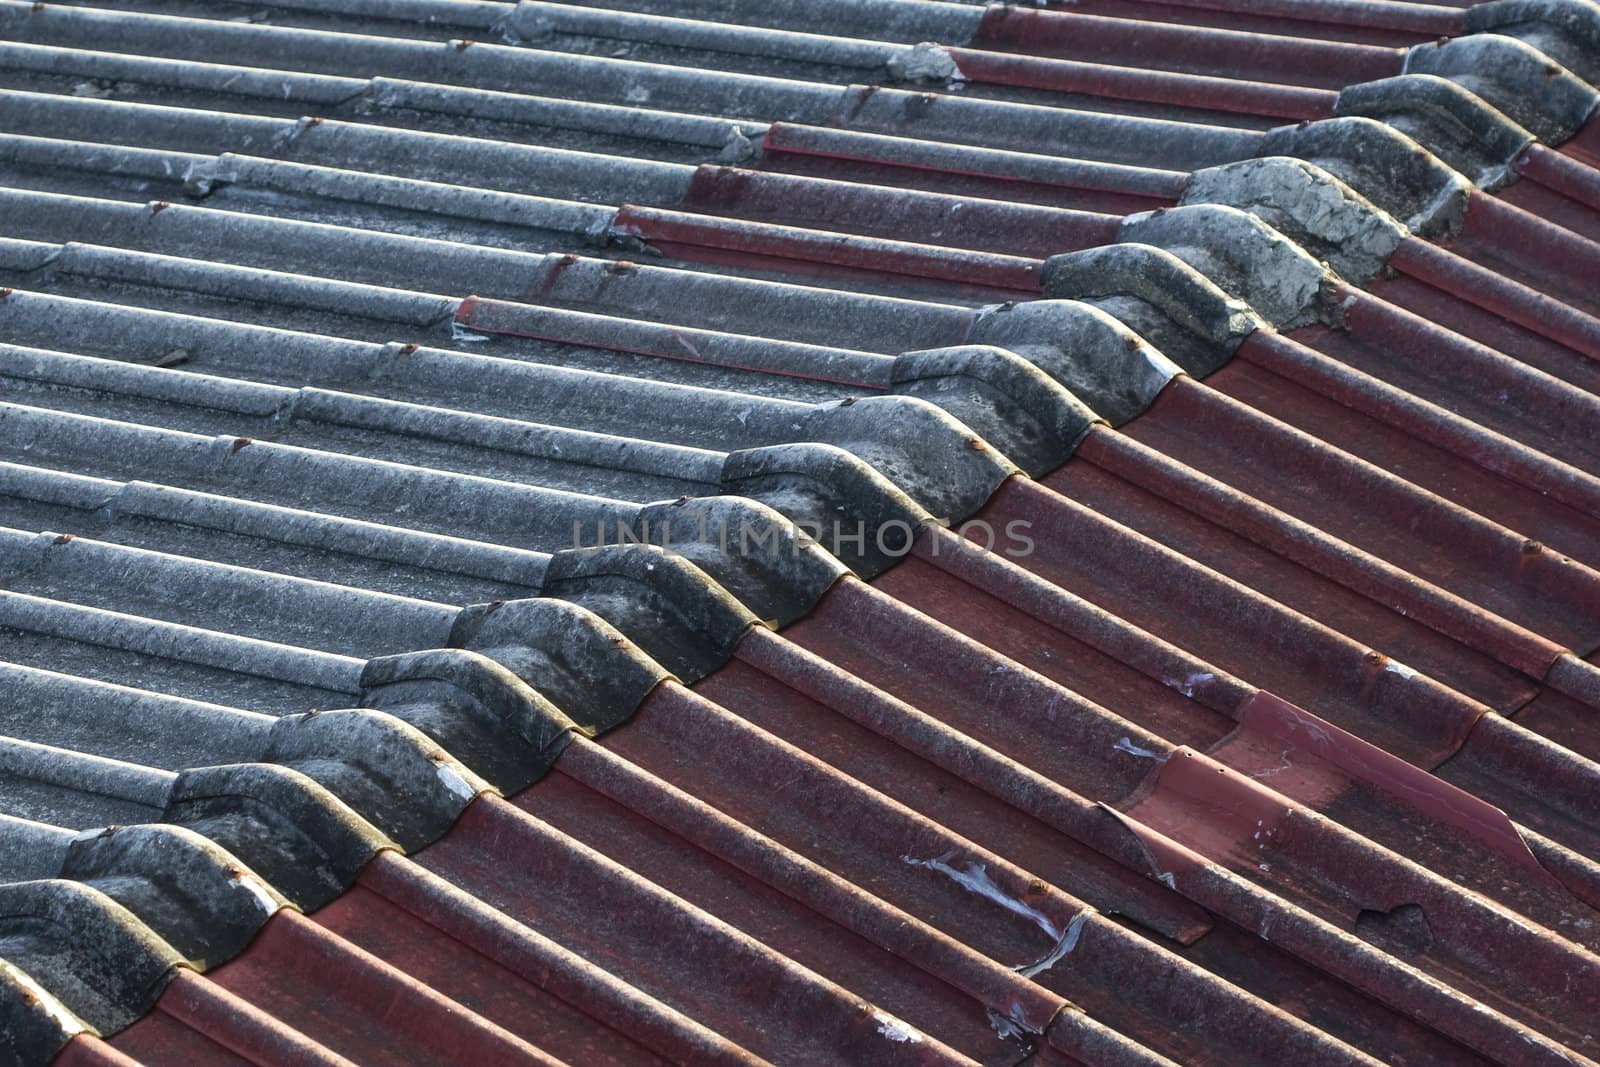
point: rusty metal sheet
(1337, 20)
(1434, 449)
(299, 976)
(1287, 102)
(1509, 588)
(682, 956)
(1073, 34)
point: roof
(870, 532)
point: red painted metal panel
(1348, 683)
(1483, 384)
(1274, 720)
(1241, 631)
(1097, 951)
(918, 661)
(1138, 43)
(494, 968)
(1340, 20)
(356, 1005)
(1494, 568)
(1432, 448)
(1542, 200)
(677, 953)
(1368, 788)
(1293, 103)
(214, 1016)
(1585, 144)
(1469, 320)
(1302, 543)
(1472, 283)
(1531, 250)
(1233, 819)
(995, 601)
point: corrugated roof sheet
(890, 531)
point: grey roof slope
(323, 437)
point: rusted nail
(1532, 548)
(63, 539)
(238, 443)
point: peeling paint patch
(975, 879)
(1008, 1029)
(1125, 744)
(257, 889)
(1068, 942)
(896, 1030)
(59, 1014)
(454, 782)
(457, 333)
(1191, 682)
